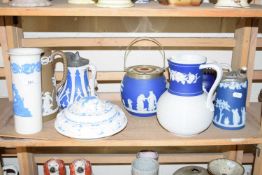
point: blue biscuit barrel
(141, 88)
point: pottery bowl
(225, 167)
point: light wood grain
(2, 72)
(241, 50)
(5, 47)
(62, 8)
(139, 132)
(257, 75)
(123, 42)
(128, 158)
(26, 163)
(251, 57)
(259, 42)
(258, 161)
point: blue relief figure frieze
(18, 104)
(26, 68)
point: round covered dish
(90, 118)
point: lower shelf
(139, 132)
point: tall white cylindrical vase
(26, 88)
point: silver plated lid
(144, 71)
(239, 75)
(74, 60)
(191, 170)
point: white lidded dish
(90, 118)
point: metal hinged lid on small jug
(74, 60)
(149, 80)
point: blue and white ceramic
(90, 118)
(185, 108)
(230, 103)
(26, 88)
(142, 85)
(140, 95)
(209, 77)
(77, 84)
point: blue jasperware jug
(77, 84)
(230, 103)
(142, 85)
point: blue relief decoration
(230, 109)
(18, 104)
(75, 87)
(185, 79)
(26, 68)
(142, 101)
(78, 91)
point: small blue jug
(230, 103)
(77, 84)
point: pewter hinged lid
(191, 170)
(74, 60)
(239, 75)
(144, 71)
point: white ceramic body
(145, 166)
(184, 116)
(26, 85)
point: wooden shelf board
(139, 132)
(123, 42)
(153, 9)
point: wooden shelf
(139, 132)
(153, 9)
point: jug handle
(219, 71)
(93, 76)
(62, 55)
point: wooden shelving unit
(140, 133)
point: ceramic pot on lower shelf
(225, 167)
(191, 170)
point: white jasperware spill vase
(26, 88)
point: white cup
(145, 166)
(26, 87)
